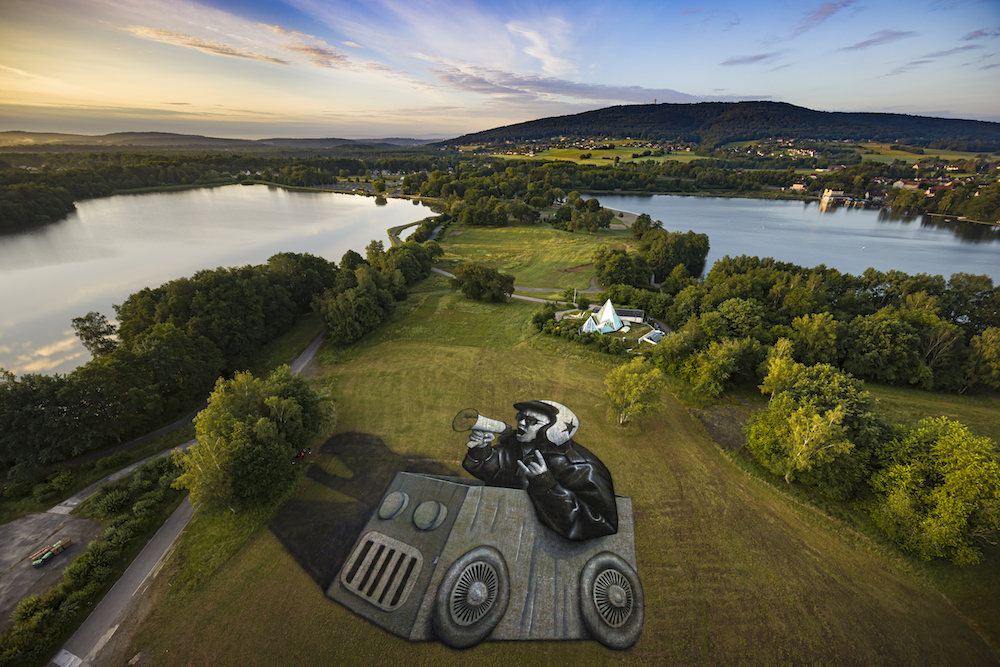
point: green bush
(17, 490)
(111, 503)
(84, 594)
(43, 492)
(26, 609)
(61, 479)
(113, 462)
(145, 506)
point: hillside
(715, 123)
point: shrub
(111, 503)
(114, 462)
(61, 479)
(17, 490)
(26, 609)
(43, 492)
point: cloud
(880, 37)
(49, 356)
(981, 34)
(814, 17)
(19, 72)
(929, 58)
(541, 44)
(990, 66)
(490, 81)
(908, 66)
(321, 55)
(749, 60)
(958, 49)
(203, 45)
(354, 44)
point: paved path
(103, 622)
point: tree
(481, 283)
(882, 347)
(983, 366)
(96, 333)
(815, 338)
(941, 493)
(632, 388)
(246, 438)
(820, 427)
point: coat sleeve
(494, 465)
(580, 504)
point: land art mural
(537, 547)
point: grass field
(887, 154)
(603, 157)
(733, 570)
(537, 255)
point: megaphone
(469, 419)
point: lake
(111, 247)
(849, 239)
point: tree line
(170, 345)
(46, 191)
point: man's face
(529, 423)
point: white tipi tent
(605, 321)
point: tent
(604, 321)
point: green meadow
(537, 255)
(605, 157)
(884, 153)
(733, 570)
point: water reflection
(968, 232)
(111, 247)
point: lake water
(849, 239)
(112, 247)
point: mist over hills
(715, 123)
(51, 141)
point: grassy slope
(537, 255)
(597, 157)
(732, 571)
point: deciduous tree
(632, 388)
(246, 439)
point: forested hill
(714, 123)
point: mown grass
(537, 255)
(903, 405)
(886, 154)
(733, 570)
(603, 157)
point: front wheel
(472, 598)
(611, 600)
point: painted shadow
(319, 535)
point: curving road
(103, 622)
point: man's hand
(479, 439)
(536, 467)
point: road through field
(103, 622)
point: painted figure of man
(570, 488)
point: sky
(437, 69)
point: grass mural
(734, 570)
